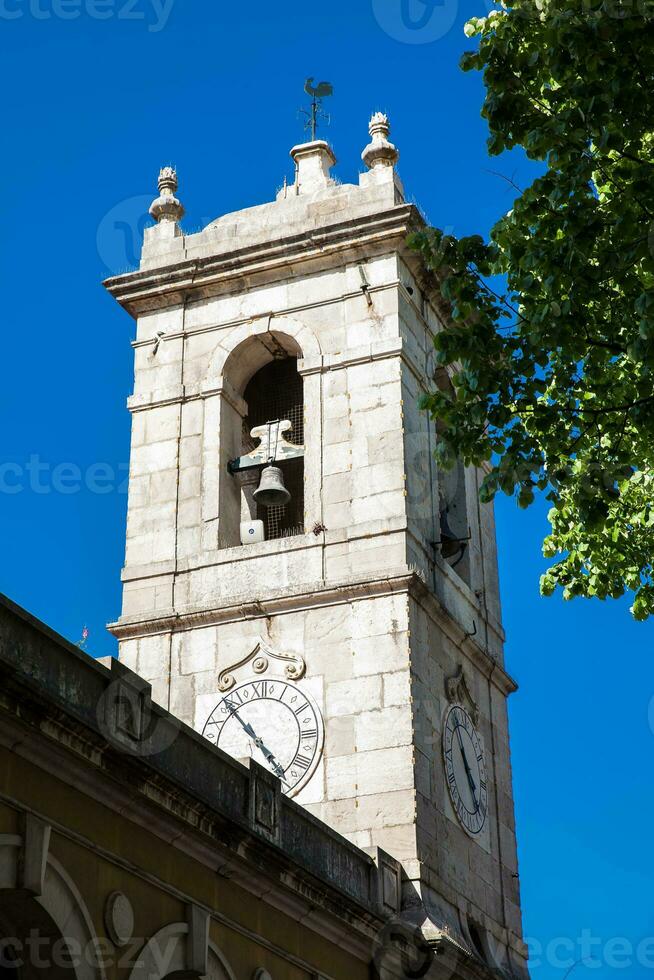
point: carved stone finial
(380, 152)
(458, 692)
(166, 207)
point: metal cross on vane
(318, 93)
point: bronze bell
(450, 544)
(271, 491)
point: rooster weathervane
(318, 93)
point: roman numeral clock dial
(275, 723)
(465, 769)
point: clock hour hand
(471, 782)
(259, 743)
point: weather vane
(318, 93)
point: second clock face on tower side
(465, 769)
(277, 724)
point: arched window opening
(453, 519)
(274, 393)
(479, 944)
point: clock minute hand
(471, 782)
(247, 728)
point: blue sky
(98, 94)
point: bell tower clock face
(277, 724)
(465, 769)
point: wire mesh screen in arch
(273, 393)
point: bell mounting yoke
(273, 447)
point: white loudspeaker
(252, 531)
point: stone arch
(164, 956)
(247, 348)
(58, 914)
(241, 352)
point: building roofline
(175, 775)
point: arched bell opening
(453, 521)
(262, 392)
(273, 394)
(454, 525)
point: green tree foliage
(554, 378)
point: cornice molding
(171, 285)
(316, 594)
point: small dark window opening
(477, 941)
(275, 393)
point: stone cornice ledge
(294, 599)
(162, 287)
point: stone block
(337, 488)
(194, 650)
(396, 688)
(400, 841)
(335, 383)
(163, 486)
(386, 728)
(366, 399)
(153, 656)
(380, 654)
(128, 653)
(340, 736)
(337, 515)
(337, 407)
(162, 423)
(139, 437)
(154, 458)
(190, 482)
(380, 505)
(377, 420)
(334, 660)
(188, 542)
(188, 512)
(361, 838)
(382, 444)
(336, 431)
(192, 418)
(423, 770)
(353, 696)
(508, 848)
(374, 558)
(328, 623)
(369, 772)
(182, 697)
(380, 616)
(336, 459)
(378, 478)
(161, 690)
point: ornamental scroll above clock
(267, 716)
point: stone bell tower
(346, 630)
